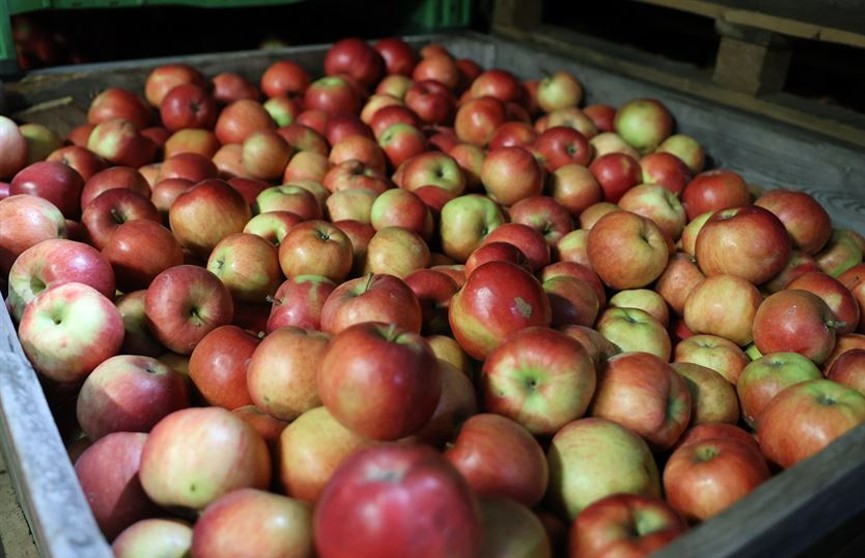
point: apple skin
(591, 458)
(749, 241)
(188, 106)
(807, 222)
(723, 305)
(205, 214)
(129, 393)
(310, 450)
(24, 221)
(284, 77)
(281, 371)
(116, 102)
(628, 251)
(379, 380)
(171, 538)
(659, 204)
(644, 393)
(806, 417)
(465, 221)
(499, 458)
(841, 253)
(68, 330)
(110, 209)
(714, 190)
(477, 120)
(713, 398)
(644, 123)
(108, 473)
(794, 320)
(687, 149)
(712, 351)
(624, 525)
(298, 302)
(184, 303)
(259, 522)
(703, 478)
(377, 297)
(354, 57)
(848, 370)
(248, 265)
(54, 181)
(239, 119)
(218, 366)
(161, 79)
(836, 294)
(496, 300)
(633, 329)
(14, 148)
(763, 378)
(137, 339)
(573, 301)
(616, 173)
(121, 142)
(138, 251)
(667, 170)
(84, 161)
(195, 455)
(366, 510)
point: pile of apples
(417, 308)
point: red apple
(117, 102)
(714, 190)
(284, 78)
(372, 298)
(218, 366)
(616, 173)
(723, 305)
(24, 221)
(627, 250)
(53, 181)
(794, 320)
(206, 213)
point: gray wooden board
(781, 518)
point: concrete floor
(15, 538)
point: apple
(396, 251)
(712, 351)
(835, 294)
(184, 303)
(465, 221)
(806, 417)
(265, 154)
(310, 449)
(634, 329)
(441, 67)
(433, 169)
(703, 478)
(354, 57)
(644, 123)
(840, 253)
(571, 117)
(848, 370)
(659, 204)
(561, 89)
(121, 143)
(283, 110)
(108, 474)
(529, 241)
(383, 486)
(714, 190)
(392, 114)
(723, 305)
(665, 169)
(206, 213)
(137, 339)
(432, 102)
(103, 216)
(165, 77)
(218, 366)
(260, 522)
(379, 380)
(687, 149)
(284, 78)
(538, 377)
(229, 87)
(844, 342)
(117, 102)
(573, 301)
(298, 302)
(248, 265)
(575, 188)
(14, 147)
(399, 56)
(167, 537)
(624, 525)
(129, 393)
(316, 247)
(53, 181)
(24, 221)
(562, 145)
(52, 262)
(510, 174)
(627, 250)
(713, 398)
(807, 222)
(514, 133)
(794, 320)
(193, 166)
(372, 298)
(288, 197)
(546, 215)
(401, 142)
(763, 378)
(41, 141)
(332, 95)
(188, 106)
(195, 455)
(477, 120)
(239, 119)
(591, 458)
(192, 140)
(84, 161)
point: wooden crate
(797, 511)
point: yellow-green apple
(763, 378)
(477, 119)
(644, 299)
(500, 458)
(184, 303)
(332, 95)
(310, 449)
(677, 280)
(713, 398)
(634, 329)
(122, 143)
(433, 102)
(167, 536)
(594, 212)
(117, 102)
(511, 528)
(205, 214)
(108, 474)
(687, 149)
(627, 250)
(573, 301)
(110, 209)
(281, 372)
(68, 329)
(195, 455)
(611, 142)
(562, 145)
(835, 293)
(840, 253)
(54, 261)
(316, 247)
(591, 458)
(572, 248)
(353, 204)
(749, 241)
(14, 148)
(433, 168)
(137, 338)
(806, 417)
(559, 90)
(395, 251)
(497, 299)
(632, 525)
(41, 141)
(657, 203)
(688, 240)
(807, 222)
(248, 265)
(645, 394)
(465, 221)
(665, 169)
(510, 174)
(284, 77)
(712, 351)
(24, 221)
(644, 123)
(714, 190)
(547, 216)
(379, 380)
(283, 109)
(53, 181)
(514, 133)
(218, 366)
(129, 393)
(723, 305)
(849, 370)
(383, 485)
(194, 140)
(538, 377)
(794, 320)
(571, 117)
(259, 522)
(703, 478)
(272, 225)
